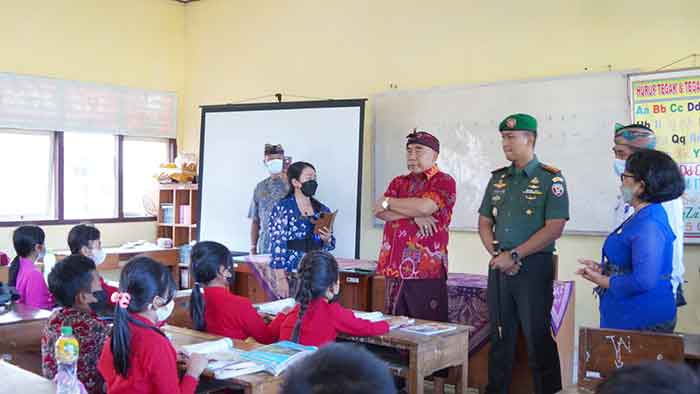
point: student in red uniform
(139, 358)
(23, 274)
(217, 311)
(85, 239)
(318, 317)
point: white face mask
(98, 256)
(164, 312)
(41, 254)
(619, 166)
(274, 166)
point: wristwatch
(385, 204)
(516, 257)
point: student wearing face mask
(23, 274)
(213, 308)
(266, 195)
(291, 223)
(84, 239)
(75, 284)
(634, 277)
(138, 357)
(629, 139)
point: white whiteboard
(327, 134)
(575, 117)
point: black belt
(303, 245)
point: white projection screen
(327, 134)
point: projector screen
(327, 134)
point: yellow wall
(134, 43)
(340, 49)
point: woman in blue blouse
(634, 278)
(292, 221)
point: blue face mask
(619, 166)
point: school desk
(257, 383)
(20, 335)
(116, 258)
(16, 380)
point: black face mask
(101, 304)
(309, 188)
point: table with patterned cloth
(467, 305)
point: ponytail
(141, 280)
(197, 308)
(318, 271)
(206, 258)
(24, 239)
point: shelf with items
(177, 213)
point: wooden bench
(602, 351)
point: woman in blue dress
(634, 279)
(292, 221)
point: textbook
(429, 328)
(274, 307)
(279, 356)
(224, 361)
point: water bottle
(66, 353)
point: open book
(274, 307)
(429, 328)
(325, 219)
(277, 357)
(379, 316)
(225, 362)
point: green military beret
(519, 122)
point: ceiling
(185, 1)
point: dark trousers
(526, 302)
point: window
(90, 176)
(26, 159)
(141, 159)
(56, 177)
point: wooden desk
(257, 383)
(116, 258)
(20, 336)
(426, 354)
(16, 380)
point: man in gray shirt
(266, 195)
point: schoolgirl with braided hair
(317, 317)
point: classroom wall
(133, 43)
(340, 49)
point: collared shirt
(90, 333)
(233, 316)
(403, 254)
(31, 286)
(287, 224)
(642, 249)
(152, 364)
(322, 322)
(266, 195)
(520, 201)
(674, 211)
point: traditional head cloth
(274, 149)
(635, 135)
(423, 138)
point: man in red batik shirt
(417, 209)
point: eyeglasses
(623, 176)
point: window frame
(58, 187)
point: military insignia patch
(511, 122)
(558, 189)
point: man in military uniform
(524, 210)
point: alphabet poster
(669, 103)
